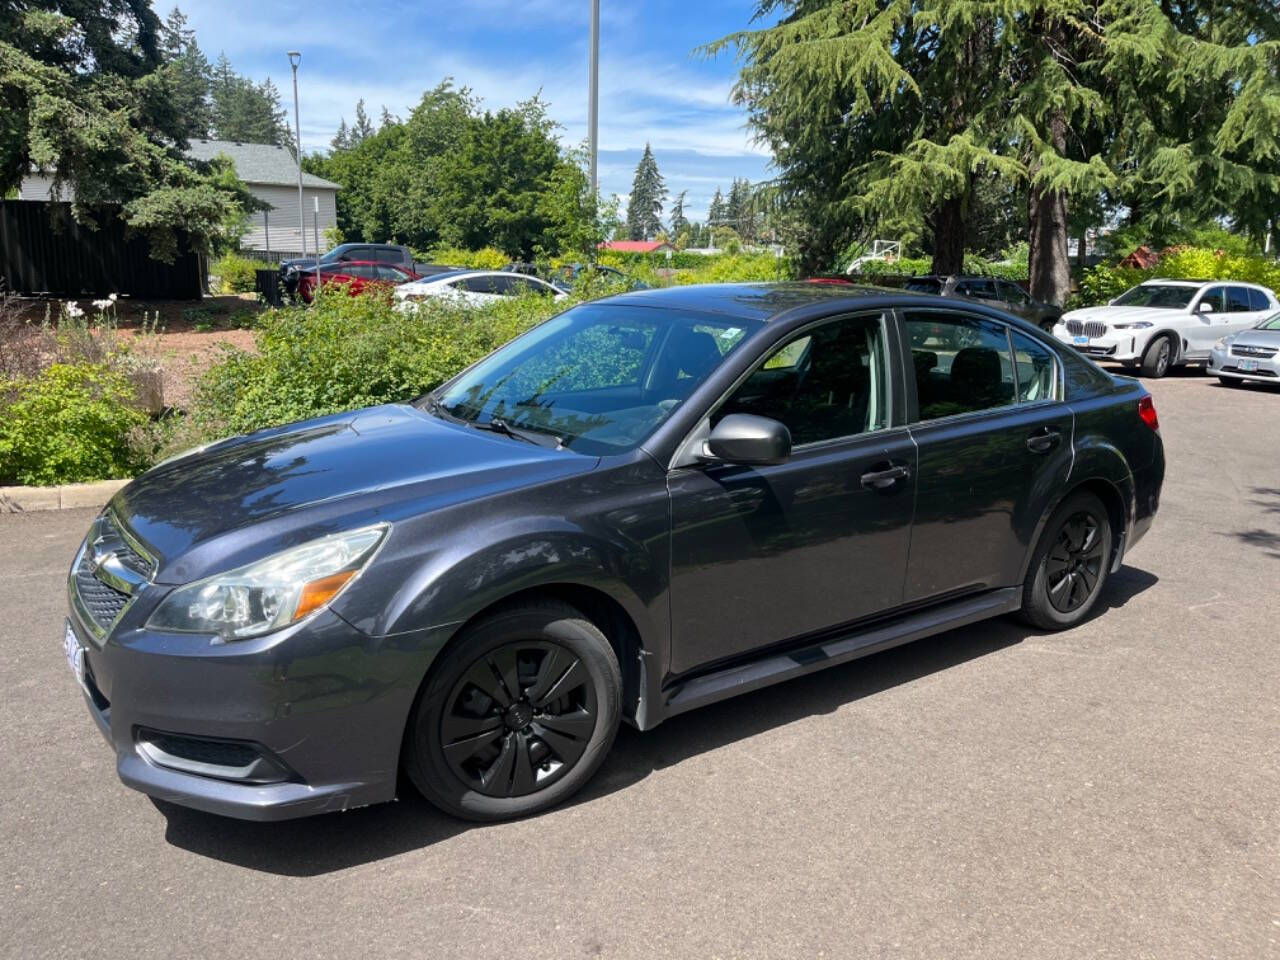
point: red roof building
(637, 246)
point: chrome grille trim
(1246, 350)
(1093, 328)
(109, 570)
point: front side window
(982, 289)
(1167, 295)
(962, 364)
(1216, 298)
(826, 383)
(599, 378)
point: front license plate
(1078, 340)
(1247, 366)
(75, 655)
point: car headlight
(1221, 343)
(1136, 325)
(271, 593)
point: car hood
(1113, 315)
(1255, 338)
(250, 496)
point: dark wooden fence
(44, 251)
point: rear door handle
(883, 479)
(1044, 440)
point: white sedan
(474, 287)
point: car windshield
(1270, 323)
(598, 378)
(1170, 296)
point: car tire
(1070, 566)
(517, 715)
(1157, 359)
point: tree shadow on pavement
(322, 844)
(1268, 541)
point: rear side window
(387, 255)
(1238, 300)
(962, 364)
(977, 288)
(1036, 369)
(825, 384)
(1258, 300)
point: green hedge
(238, 274)
(1103, 283)
(72, 422)
(918, 266)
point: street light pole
(294, 58)
(593, 95)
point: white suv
(1165, 323)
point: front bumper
(1223, 363)
(1116, 345)
(324, 705)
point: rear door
(1240, 312)
(994, 447)
(761, 555)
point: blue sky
(652, 86)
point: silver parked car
(1252, 354)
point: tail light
(1147, 411)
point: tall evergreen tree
(187, 70)
(342, 138)
(247, 111)
(679, 223)
(648, 193)
(362, 129)
(716, 214)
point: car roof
(764, 301)
(1183, 282)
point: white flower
(73, 310)
(102, 304)
(112, 298)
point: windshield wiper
(499, 425)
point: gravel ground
(1112, 791)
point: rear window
(924, 285)
(1257, 300)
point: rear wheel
(1158, 357)
(1070, 566)
(517, 716)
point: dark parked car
(994, 293)
(389, 253)
(356, 276)
(645, 504)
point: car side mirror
(1204, 306)
(745, 439)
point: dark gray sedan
(645, 504)
(992, 292)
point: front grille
(1244, 350)
(101, 602)
(1093, 328)
(125, 551)
(219, 753)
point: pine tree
(648, 192)
(342, 139)
(716, 215)
(362, 129)
(246, 111)
(187, 71)
(387, 120)
(679, 223)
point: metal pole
(294, 58)
(593, 95)
(266, 230)
(315, 226)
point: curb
(66, 497)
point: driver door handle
(1044, 440)
(884, 479)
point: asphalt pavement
(1112, 791)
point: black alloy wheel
(517, 713)
(1158, 357)
(519, 719)
(1070, 566)
(1074, 563)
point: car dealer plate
(1247, 366)
(75, 654)
(1079, 339)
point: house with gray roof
(271, 174)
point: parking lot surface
(1112, 791)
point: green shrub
(349, 352)
(237, 273)
(72, 422)
(488, 258)
(1103, 283)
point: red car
(357, 275)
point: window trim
(681, 456)
(909, 371)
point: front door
(1209, 321)
(994, 447)
(761, 555)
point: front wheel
(517, 716)
(1070, 566)
(1158, 357)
